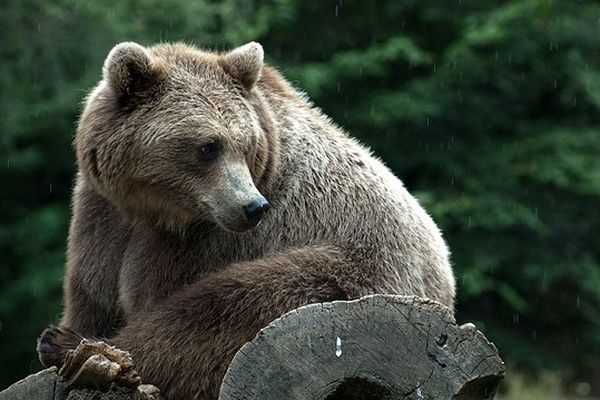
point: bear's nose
(256, 209)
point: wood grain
(399, 347)
(380, 347)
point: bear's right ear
(245, 63)
(130, 70)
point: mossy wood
(378, 347)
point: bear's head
(173, 135)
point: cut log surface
(377, 347)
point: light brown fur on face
(149, 167)
(161, 257)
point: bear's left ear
(244, 63)
(130, 70)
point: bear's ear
(244, 63)
(129, 69)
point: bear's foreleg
(185, 343)
(98, 238)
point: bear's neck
(294, 122)
(266, 160)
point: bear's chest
(156, 264)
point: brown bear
(213, 197)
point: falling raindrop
(338, 347)
(515, 318)
(336, 10)
(578, 302)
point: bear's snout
(255, 210)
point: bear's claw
(97, 364)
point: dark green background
(488, 110)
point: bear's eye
(208, 151)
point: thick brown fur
(160, 257)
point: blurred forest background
(488, 110)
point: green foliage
(488, 110)
(546, 386)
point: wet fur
(161, 280)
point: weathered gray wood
(115, 393)
(39, 386)
(389, 347)
(47, 385)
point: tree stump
(47, 385)
(378, 347)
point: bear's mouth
(240, 218)
(238, 225)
